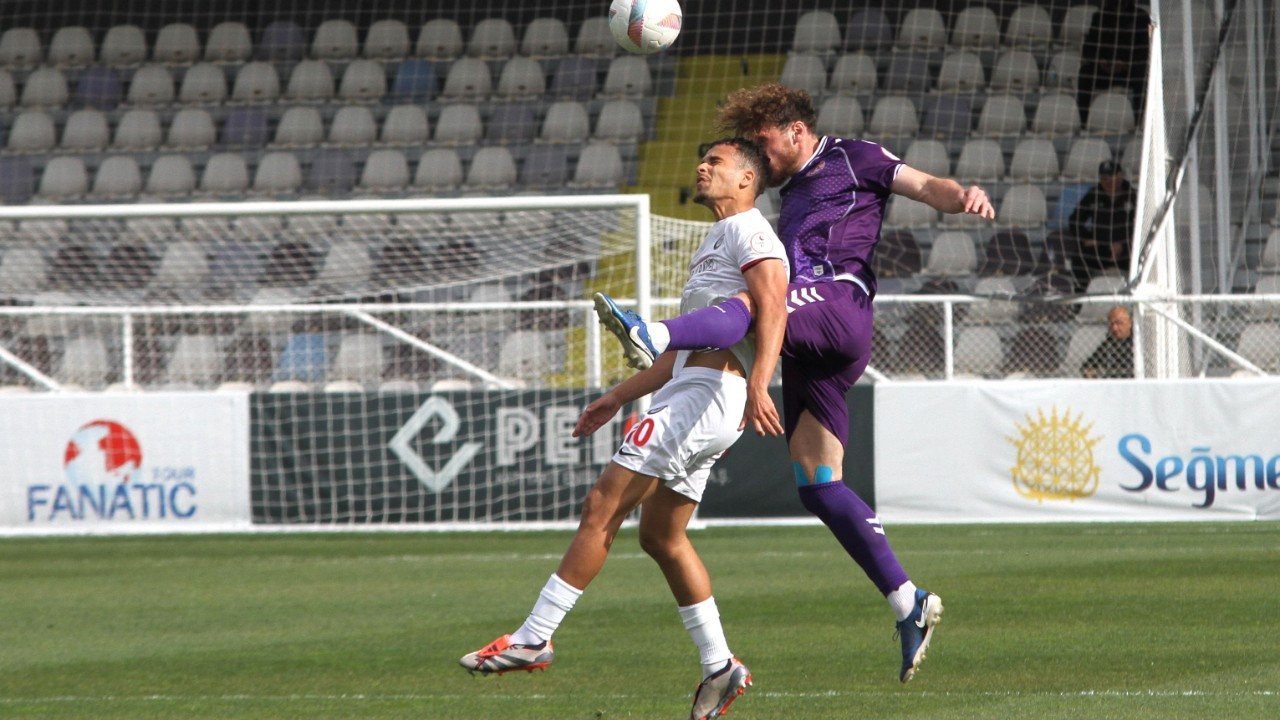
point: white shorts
(691, 421)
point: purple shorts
(824, 352)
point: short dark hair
(751, 155)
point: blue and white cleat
(916, 632)
(630, 329)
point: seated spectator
(1101, 228)
(1113, 357)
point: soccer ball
(644, 26)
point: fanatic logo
(401, 444)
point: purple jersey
(832, 210)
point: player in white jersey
(665, 459)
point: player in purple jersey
(834, 198)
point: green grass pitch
(1062, 621)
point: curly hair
(750, 110)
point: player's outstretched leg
(917, 630)
(630, 329)
(502, 656)
(714, 694)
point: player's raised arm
(943, 194)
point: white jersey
(716, 271)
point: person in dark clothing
(1115, 53)
(1101, 226)
(1113, 357)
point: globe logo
(102, 452)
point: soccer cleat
(630, 330)
(717, 692)
(917, 630)
(500, 656)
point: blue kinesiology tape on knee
(821, 474)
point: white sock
(702, 620)
(903, 600)
(659, 336)
(554, 602)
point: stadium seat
(347, 268)
(908, 73)
(1023, 206)
(893, 116)
(353, 126)
(332, 172)
(86, 130)
(97, 87)
(277, 172)
(975, 27)
(84, 362)
(64, 178)
(183, 264)
(1075, 25)
(1083, 159)
(364, 81)
(619, 121)
(359, 359)
(979, 352)
(545, 168)
(439, 39)
(177, 44)
(947, 117)
(171, 175)
(927, 155)
(116, 178)
(1269, 257)
(1099, 285)
(869, 30)
(196, 360)
(952, 254)
(405, 125)
(628, 77)
(1015, 72)
(1266, 285)
(492, 38)
(191, 129)
(20, 47)
(46, 87)
(1111, 113)
(299, 127)
(245, 128)
(816, 31)
(151, 85)
(521, 79)
(805, 72)
(225, 173)
(594, 39)
(384, 171)
(281, 41)
(459, 124)
(32, 132)
(840, 115)
(922, 29)
(468, 79)
(1056, 115)
(511, 123)
(1029, 26)
(123, 46)
(228, 42)
(17, 180)
(981, 161)
(599, 166)
(309, 81)
(1084, 340)
(386, 39)
(414, 81)
(335, 39)
(1034, 160)
(853, 74)
(492, 168)
(525, 356)
(1002, 116)
(203, 84)
(1260, 344)
(8, 91)
(545, 37)
(906, 213)
(961, 72)
(1063, 72)
(565, 121)
(23, 271)
(439, 169)
(71, 46)
(575, 78)
(1131, 157)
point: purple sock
(715, 326)
(858, 529)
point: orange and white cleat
(717, 692)
(501, 656)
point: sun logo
(1055, 458)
